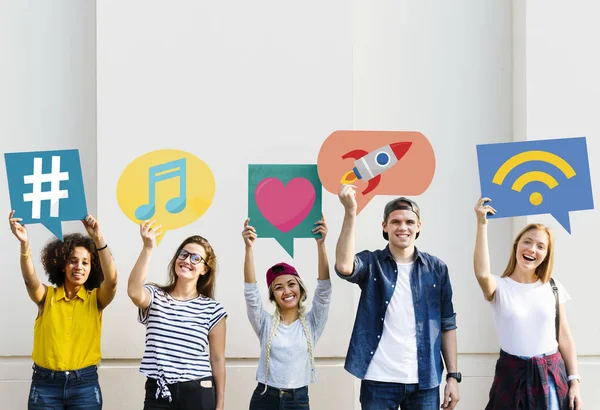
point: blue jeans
(69, 390)
(388, 396)
(553, 403)
(279, 399)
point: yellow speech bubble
(171, 186)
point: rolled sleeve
(448, 321)
(360, 268)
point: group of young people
(404, 333)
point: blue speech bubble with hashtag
(46, 187)
(536, 177)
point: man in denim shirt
(405, 321)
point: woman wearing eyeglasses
(184, 358)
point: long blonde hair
(544, 270)
(277, 320)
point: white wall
(562, 95)
(47, 102)
(237, 83)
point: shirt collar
(386, 253)
(60, 293)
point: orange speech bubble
(377, 162)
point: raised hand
(92, 227)
(149, 233)
(249, 234)
(321, 228)
(482, 210)
(17, 228)
(347, 195)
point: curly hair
(56, 253)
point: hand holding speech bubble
(536, 177)
(46, 187)
(171, 186)
(377, 162)
(284, 201)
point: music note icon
(157, 173)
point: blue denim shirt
(376, 274)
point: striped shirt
(177, 338)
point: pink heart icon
(285, 206)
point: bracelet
(574, 377)
(26, 254)
(104, 247)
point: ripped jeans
(68, 390)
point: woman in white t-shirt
(184, 357)
(535, 356)
(288, 337)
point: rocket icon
(370, 165)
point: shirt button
(375, 279)
(386, 302)
(393, 286)
(371, 352)
(434, 285)
(378, 336)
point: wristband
(26, 254)
(574, 377)
(104, 247)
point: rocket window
(382, 159)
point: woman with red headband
(287, 338)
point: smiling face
(286, 292)
(78, 266)
(532, 249)
(402, 227)
(191, 262)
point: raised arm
(257, 315)
(108, 288)
(344, 250)
(139, 295)
(249, 235)
(481, 256)
(35, 288)
(321, 250)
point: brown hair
(544, 270)
(206, 283)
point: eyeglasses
(194, 257)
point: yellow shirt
(66, 335)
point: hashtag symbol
(54, 195)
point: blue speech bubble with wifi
(536, 177)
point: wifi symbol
(535, 198)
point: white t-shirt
(524, 314)
(395, 359)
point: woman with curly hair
(288, 337)
(67, 330)
(184, 358)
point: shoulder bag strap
(557, 319)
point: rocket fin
(373, 182)
(356, 154)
